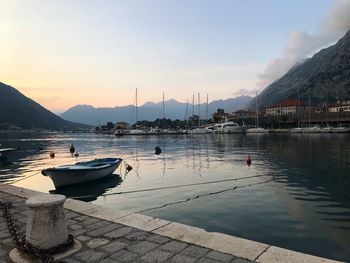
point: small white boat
(313, 129)
(228, 127)
(82, 171)
(4, 152)
(325, 130)
(340, 130)
(296, 130)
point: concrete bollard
(46, 226)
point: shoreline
(221, 243)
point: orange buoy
(249, 160)
(52, 154)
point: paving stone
(137, 235)
(83, 238)
(156, 256)
(142, 247)
(241, 260)
(125, 256)
(182, 259)
(81, 218)
(114, 246)
(174, 246)
(222, 257)
(195, 251)
(90, 221)
(90, 256)
(103, 230)
(68, 260)
(4, 234)
(78, 232)
(98, 224)
(207, 260)
(119, 232)
(75, 226)
(97, 242)
(109, 260)
(157, 239)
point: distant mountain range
(326, 74)
(149, 111)
(18, 111)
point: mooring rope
(202, 195)
(184, 185)
(20, 179)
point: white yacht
(228, 127)
(257, 130)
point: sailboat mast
(199, 110)
(136, 106)
(163, 113)
(192, 110)
(206, 112)
(309, 108)
(186, 115)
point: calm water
(296, 193)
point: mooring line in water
(184, 185)
(202, 195)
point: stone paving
(107, 242)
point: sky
(63, 53)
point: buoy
(72, 149)
(158, 150)
(128, 168)
(76, 155)
(52, 154)
(249, 160)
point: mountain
(327, 73)
(16, 110)
(149, 111)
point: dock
(112, 235)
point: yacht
(228, 127)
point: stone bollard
(46, 227)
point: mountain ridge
(325, 74)
(148, 111)
(20, 112)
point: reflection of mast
(257, 109)
(326, 110)
(309, 108)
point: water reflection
(89, 191)
(295, 194)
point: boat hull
(5, 152)
(62, 177)
(257, 130)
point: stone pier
(109, 236)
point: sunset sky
(63, 53)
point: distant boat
(228, 127)
(312, 129)
(296, 130)
(4, 152)
(340, 130)
(82, 171)
(257, 130)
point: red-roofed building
(287, 107)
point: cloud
(301, 45)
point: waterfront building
(242, 114)
(287, 107)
